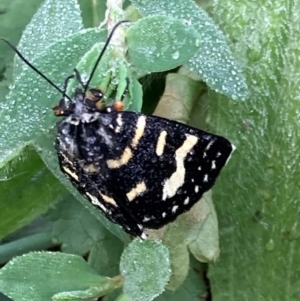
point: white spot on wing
(95, 201)
(143, 236)
(146, 219)
(119, 123)
(161, 142)
(71, 173)
(205, 179)
(174, 209)
(209, 145)
(186, 201)
(176, 180)
(124, 159)
(213, 164)
(108, 199)
(139, 130)
(136, 191)
(196, 189)
(164, 214)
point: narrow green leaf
(145, 266)
(136, 95)
(55, 20)
(160, 43)
(213, 62)
(39, 276)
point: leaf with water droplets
(213, 62)
(160, 43)
(39, 276)
(145, 266)
(27, 111)
(55, 20)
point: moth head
(83, 104)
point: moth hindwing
(140, 171)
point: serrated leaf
(27, 112)
(160, 43)
(213, 62)
(40, 275)
(145, 266)
(63, 19)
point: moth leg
(62, 109)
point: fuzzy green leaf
(213, 62)
(24, 194)
(40, 275)
(160, 43)
(145, 266)
(27, 112)
(80, 232)
(259, 223)
(55, 20)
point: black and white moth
(141, 171)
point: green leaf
(63, 20)
(104, 288)
(160, 43)
(213, 62)
(259, 223)
(92, 12)
(75, 227)
(39, 276)
(27, 112)
(203, 237)
(145, 266)
(191, 289)
(24, 194)
(80, 232)
(105, 255)
(136, 95)
(12, 24)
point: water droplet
(176, 55)
(270, 245)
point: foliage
(167, 35)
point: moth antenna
(102, 53)
(34, 68)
